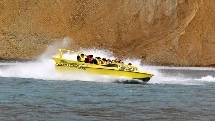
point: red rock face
(162, 32)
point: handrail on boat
(66, 50)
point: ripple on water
(34, 99)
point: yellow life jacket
(82, 59)
(102, 62)
(98, 61)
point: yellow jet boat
(109, 68)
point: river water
(34, 91)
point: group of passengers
(97, 60)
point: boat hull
(144, 77)
(117, 70)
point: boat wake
(44, 69)
(207, 78)
(183, 75)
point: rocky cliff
(162, 32)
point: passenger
(90, 58)
(87, 59)
(116, 61)
(130, 67)
(80, 58)
(109, 61)
(97, 60)
(113, 61)
(103, 61)
(120, 61)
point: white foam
(43, 68)
(207, 78)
